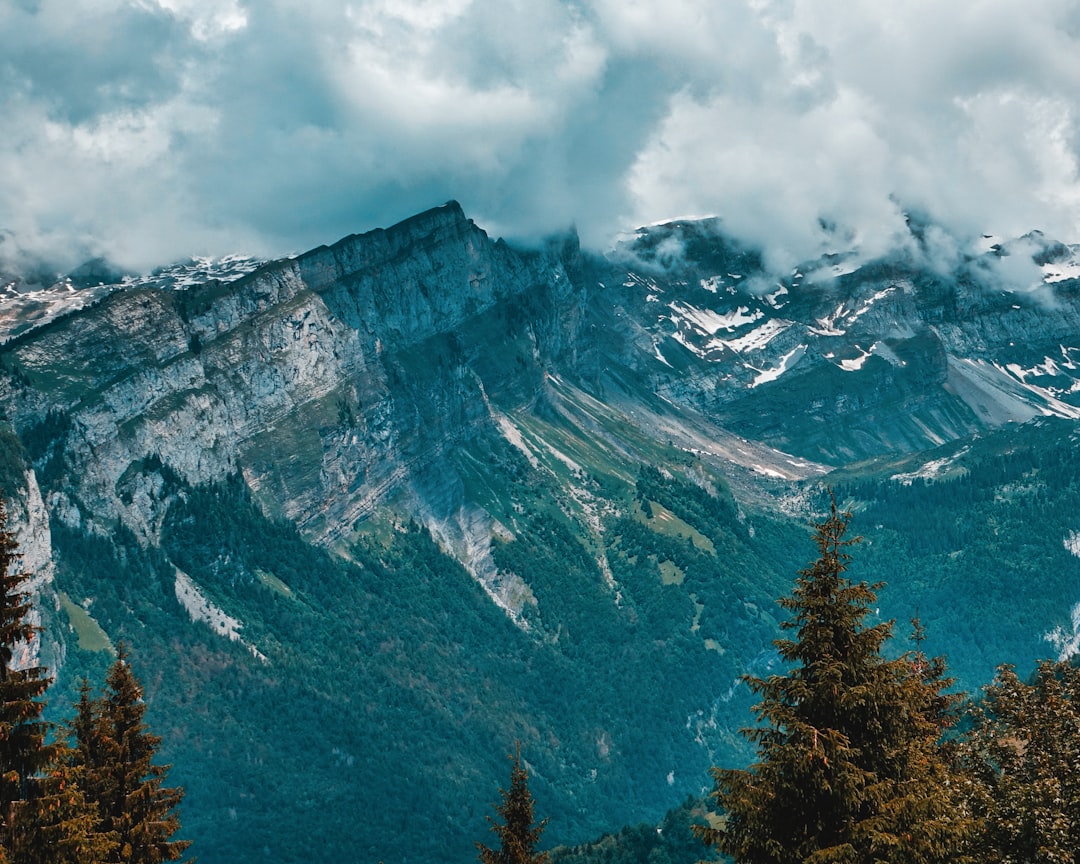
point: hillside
(369, 515)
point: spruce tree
(116, 750)
(59, 825)
(24, 753)
(517, 834)
(1023, 754)
(850, 767)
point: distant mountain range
(369, 515)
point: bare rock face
(29, 522)
(345, 376)
(327, 380)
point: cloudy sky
(149, 130)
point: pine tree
(116, 750)
(1023, 753)
(922, 815)
(24, 753)
(850, 767)
(517, 835)
(59, 825)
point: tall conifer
(1023, 753)
(849, 764)
(116, 749)
(59, 825)
(517, 834)
(24, 754)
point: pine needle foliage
(116, 749)
(850, 767)
(1023, 753)
(517, 834)
(59, 825)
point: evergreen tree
(517, 835)
(59, 825)
(24, 753)
(1023, 753)
(86, 730)
(850, 767)
(116, 749)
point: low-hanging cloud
(147, 130)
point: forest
(89, 789)
(862, 752)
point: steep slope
(837, 362)
(181, 437)
(369, 515)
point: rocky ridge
(342, 377)
(506, 400)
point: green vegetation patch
(663, 521)
(12, 461)
(670, 574)
(91, 636)
(273, 583)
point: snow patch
(827, 325)
(786, 362)
(1061, 271)
(854, 316)
(774, 298)
(1054, 407)
(635, 279)
(996, 395)
(659, 356)
(1049, 368)
(710, 321)
(844, 269)
(21, 311)
(879, 349)
(756, 339)
(857, 363)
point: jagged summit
(447, 217)
(465, 490)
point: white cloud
(208, 19)
(965, 113)
(157, 128)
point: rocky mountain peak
(428, 467)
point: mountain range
(368, 516)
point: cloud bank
(148, 130)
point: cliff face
(343, 376)
(164, 437)
(328, 380)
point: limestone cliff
(329, 380)
(345, 376)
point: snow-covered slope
(840, 358)
(24, 308)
